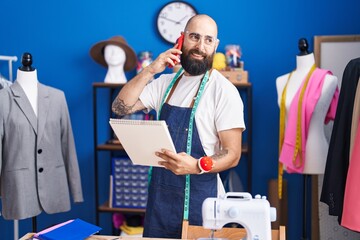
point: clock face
(172, 19)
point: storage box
(236, 76)
(129, 184)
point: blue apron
(165, 207)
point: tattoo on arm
(120, 108)
(220, 154)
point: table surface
(99, 237)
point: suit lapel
(43, 108)
(24, 104)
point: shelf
(105, 208)
(244, 148)
(107, 85)
(119, 147)
(110, 147)
(243, 87)
(117, 85)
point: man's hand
(165, 58)
(179, 164)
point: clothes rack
(10, 60)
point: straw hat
(97, 52)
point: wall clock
(172, 18)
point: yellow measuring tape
(298, 143)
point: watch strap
(205, 164)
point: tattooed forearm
(220, 154)
(120, 108)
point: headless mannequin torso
(317, 144)
(115, 58)
(27, 79)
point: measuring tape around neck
(190, 131)
(298, 143)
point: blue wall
(59, 35)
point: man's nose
(201, 45)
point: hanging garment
(4, 83)
(351, 208)
(355, 118)
(37, 155)
(338, 155)
(310, 99)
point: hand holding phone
(179, 43)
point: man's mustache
(198, 52)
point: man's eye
(209, 40)
(195, 36)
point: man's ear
(217, 44)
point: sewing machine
(254, 214)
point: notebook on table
(142, 138)
(69, 230)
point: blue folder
(75, 230)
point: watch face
(172, 19)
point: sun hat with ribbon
(97, 52)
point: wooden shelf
(107, 85)
(244, 88)
(110, 147)
(118, 85)
(242, 85)
(119, 147)
(245, 148)
(105, 208)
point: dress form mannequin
(317, 143)
(115, 58)
(27, 78)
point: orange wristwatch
(205, 164)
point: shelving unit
(245, 90)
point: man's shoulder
(220, 80)
(165, 76)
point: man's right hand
(168, 57)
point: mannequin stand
(306, 196)
(304, 233)
(34, 225)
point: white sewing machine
(254, 214)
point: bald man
(206, 132)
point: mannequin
(38, 160)
(317, 144)
(115, 58)
(27, 78)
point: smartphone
(179, 41)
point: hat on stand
(97, 52)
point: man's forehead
(204, 26)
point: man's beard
(193, 66)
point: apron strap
(173, 88)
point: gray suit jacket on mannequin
(38, 162)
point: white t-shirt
(220, 107)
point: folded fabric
(310, 99)
(70, 230)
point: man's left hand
(178, 163)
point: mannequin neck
(304, 62)
(27, 79)
(29, 83)
(115, 74)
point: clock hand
(181, 19)
(170, 20)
